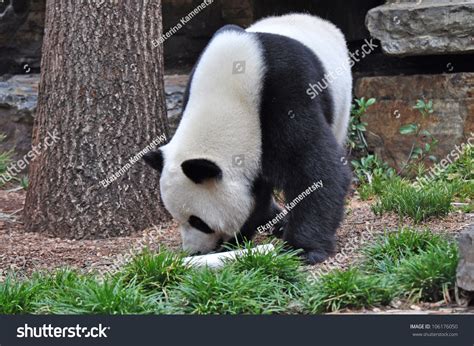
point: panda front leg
(303, 232)
(315, 211)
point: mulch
(25, 252)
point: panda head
(210, 202)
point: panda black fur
(248, 99)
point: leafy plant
(369, 167)
(358, 127)
(371, 173)
(423, 141)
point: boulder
(18, 98)
(423, 27)
(452, 121)
(175, 85)
(465, 271)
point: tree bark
(101, 99)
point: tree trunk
(101, 102)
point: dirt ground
(25, 252)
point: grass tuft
(281, 263)
(401, 197)
(228, 291)
(17, 296)
(390, 249)
(89, 295)
(346, 289)
(430, 274)
(5, 160)
(155, 270)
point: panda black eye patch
(199, 224)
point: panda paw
(315, 256)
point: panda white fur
(249, 126)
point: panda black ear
(154, 159)
(199, 170)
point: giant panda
(253, 124)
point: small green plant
(24, 183)
(423, 140)
(371, 172)
(155, 270)
(358, 127)
(5, 159)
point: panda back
(327, 42)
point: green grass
(155, 270)
(408, 264)
(90, 295)
(432, 198)
(401, 197)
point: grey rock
(423, 27)
(175, 86)
(20, 91)
(465, 271)
(18, 99)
